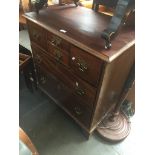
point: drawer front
(37, 34)
(85, 65)
(59, 55)
(79, 88)
(57, 41)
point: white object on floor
(24, 39)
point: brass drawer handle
(42, 79)
(82, 65)
(58, 55)
(79, 90)
(36, 35)
(77, 110)
(38, 59)
(56, 41)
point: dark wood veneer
(83, 28)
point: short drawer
(85, 65)
(58, 54)
(37, 34)
(57, 41)
(39, 56)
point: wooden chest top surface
(83, 29)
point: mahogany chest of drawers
(72, 66)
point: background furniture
(26, 67)
(23, 60)
(24, 6)
(73, 68)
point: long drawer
(79, 88)
(64, 97)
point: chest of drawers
(72, 66)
